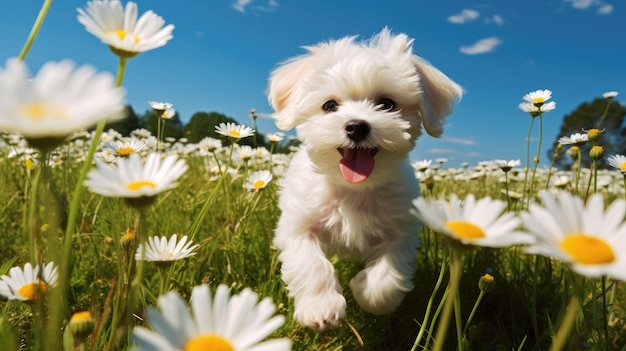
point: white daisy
(57, 102)
(536, 111)
(513, 195)
(618, 162)
(275, 137)
(124, 148)
(209, 144)
(507, 165)
(588, 238)
(28, 284)
(574, 139)
(159, 106)
(538, 97)
(258, 180)
(536, 102)
(472, 222)
(244, 152)
(169, 113)
(233, 130)
(119, 28)
(132, 178)
(610, 94)
(163, 250)
(219, 322)
(141, 133)
(422, 165)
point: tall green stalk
(425, 321)
(56, 318)
(456, 268)
(530, 129)
(43, 12)
(536, 159)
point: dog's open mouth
(357, 164)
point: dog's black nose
(357, 130)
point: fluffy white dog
(358, 108)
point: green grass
(235, 238)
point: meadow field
(222, 206)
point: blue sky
(223, 51)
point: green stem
(506, 188)
(65, 266)
(29, 230)
(561, 337)
(528, 157)
(35, 30)
(456, 265)
(474, 309)
(578, 166)
(159, 135)
(195, 226)
(606, 110)
(458, 322)
(420, 334)
(593, 176)
(605, 314)
(536, 159)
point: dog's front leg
(311, 281)
(388, 275)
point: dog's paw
(377, 294)
(321, 312)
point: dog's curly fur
(358, 108)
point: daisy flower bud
(486, 283)
(596, 152)
(81, 325)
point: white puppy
(358, 108)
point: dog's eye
(386, 104)
(330, 106)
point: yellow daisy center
(623, 166)
(38, 110)
(33, 291)
(138, 185)
(234, 133)
(258, 184)
(587, 249)
(124, 151)
(121, 34)
(129, 235)
(29, 164)
(465, 230)
(81, 316)
(209, 342)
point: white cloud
(599, 6)
(240, 5)
(605, 9)
(482, 46)
(581, 4)
(441, 151)
(459, 141)
(465, 16)
(498, 19)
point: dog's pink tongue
(356, 165)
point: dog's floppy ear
(283, 86)
(439, 95)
